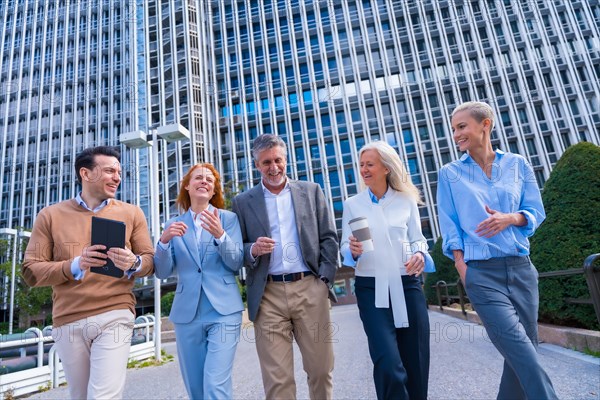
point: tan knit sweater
(60, 233)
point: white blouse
(395, 228)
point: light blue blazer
(209, 266)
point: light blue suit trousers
(207, 308)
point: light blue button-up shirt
(75, 269)
(463, 192)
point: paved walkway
(464, 365)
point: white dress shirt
(286, 257)
(197, 230)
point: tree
(570, 233)
(444, 271)
(229, 192)
(166, 302)
(28, 301)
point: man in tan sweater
(92, 313)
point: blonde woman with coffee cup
(389, 255)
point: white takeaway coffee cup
(360, 230)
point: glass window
(251, 107)
(408, 136)
(417, 104)
(279, 102)
(265, 104)
(523, 116)
(371, 113)
(318, 178)
(293, 100)
(330, 152)
(339, 288)
(307, 96)
(341, 121)
(289, 74)
(574, 107)
(325, 121)
(281, 129)
(318, 68)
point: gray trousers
(504, 292)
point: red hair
(183, 198)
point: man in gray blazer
(290, 252)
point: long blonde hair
(398, 178)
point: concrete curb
(570, 338)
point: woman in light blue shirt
(488, 205)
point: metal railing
(28, 379)
(592, 276)
(443, 295)
(591, 271)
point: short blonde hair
(478, 110)
(398, 178)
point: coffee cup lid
(356, 219)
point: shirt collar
(82, 203)
(268, 192)
(194, 215)
(374, 199)
(467, 157)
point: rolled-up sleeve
(531, 205)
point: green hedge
(242, 289)
(166, 302)
(444, 271)
(570, 233)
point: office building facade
(329, 76)
(326, 75)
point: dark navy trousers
(400, 355)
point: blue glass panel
(307, 95)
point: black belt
(287, 278)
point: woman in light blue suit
(204, 248)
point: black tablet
(110, 233)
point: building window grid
(380, 99)
(377, 113)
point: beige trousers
(94, 353)
(295, 311)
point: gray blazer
(316, 230)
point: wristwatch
(136, 264)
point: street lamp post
(138, 140)
(15, 242)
